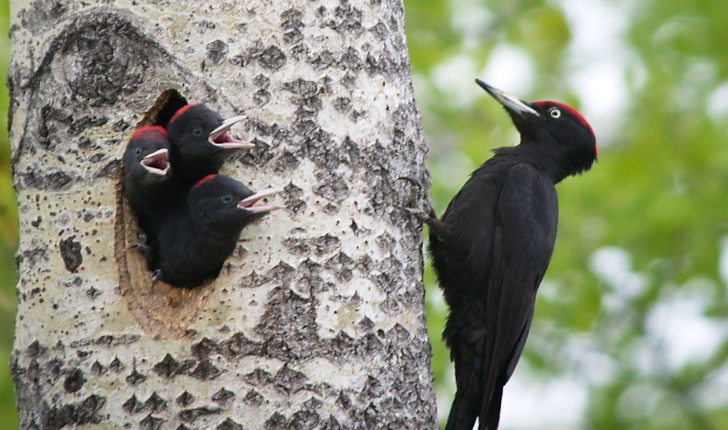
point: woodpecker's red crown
(141, 132)
(573, 111)
(205, 179)
(181, 111)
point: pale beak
(222, 139)
(157, 162)
(248, 202)
(509, 102)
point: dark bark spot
(277, 421)
(313, 404)
(229, 424)
(304, 420)
(52, 181)
(155, 403)
(204, 348)
(261, 97)
(223, 397)
(97, 369)
(287, 161)
(205, 371)
(132, 405)
(191, 415)
(116, 365)
(342, 104)
(71, 414)
(71, 253)
(167, 367)
(253, 398)
(258, 377)
(302, 87)
(272, 58)
(288, 380)
(135, 377)
(74, 381)
(261, 81)
(185, 399)
(239, 346)
(333, 187)
(332, 424)
(381, 30)
(35, 349)
(217, 50)
(151, 423)
(109, 169)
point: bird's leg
(419, 205)
(156, 275)
(142, 245)
(423, 210)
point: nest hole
(160, 309)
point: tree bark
(317, 320)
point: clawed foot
(419, 205)
(156, 276)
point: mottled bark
(317, 320)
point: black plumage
(197, 238)
(201, 141)
(149, 183)
(492, 246)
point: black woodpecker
(492, 246)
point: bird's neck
(552, 160)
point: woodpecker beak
(511, 103)
(222, 139)
(248, 202)
(157, 163)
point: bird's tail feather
(462, 413)
(490, 414)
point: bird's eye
(227, 198)
(197, 132)
(555, 113)
(138, 151)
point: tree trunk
(317, 320)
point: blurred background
(631, 329)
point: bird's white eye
(197, 132)
(227, 198)
(138, 151)
(555, 113)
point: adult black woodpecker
(148, 181)
(197, 238)
(492, 246)
(201, 141)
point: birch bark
(317, 320)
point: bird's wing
(526, 217)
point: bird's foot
(156, 276)
(141, 246)
(419, 205)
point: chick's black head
(201, 139)
(146, 159)
(225, 205)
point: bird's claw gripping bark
(156, 276)
(419, 205)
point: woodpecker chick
(198, 237)
(201, 141)
(492, 246)
(148, 181)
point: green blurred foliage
(658, 194)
